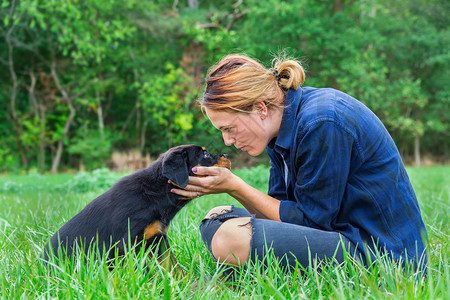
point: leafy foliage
(83, 182)
(93, 147)
(132, 70)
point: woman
(336, 180)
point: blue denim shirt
(335, 167)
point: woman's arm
(257, 202)
(220, 180)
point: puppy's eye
(207, 155)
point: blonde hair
(237, 82)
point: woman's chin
(254, 152)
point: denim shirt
(335, 167)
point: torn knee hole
(223, 211)
(217, 211)
(248, 225)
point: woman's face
(246, 131)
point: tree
(80, 76)
(51, 32)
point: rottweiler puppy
(138, 207)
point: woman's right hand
(209, 180)
(216, 180)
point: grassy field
(33, 207)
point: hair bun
(291, 73)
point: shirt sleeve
(322, 161)
(277, 187)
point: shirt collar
(288, 121)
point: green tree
(80, 76)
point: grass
(33, 207)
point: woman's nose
(228, 140)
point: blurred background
(113, 83)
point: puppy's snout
(226, 156)
(223, 161)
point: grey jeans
(289, 242)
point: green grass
(33, 207)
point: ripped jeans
(289, 242)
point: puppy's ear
(175, 168)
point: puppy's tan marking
(223, 162)
(153, 229)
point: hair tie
(278, 76)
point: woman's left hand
(209, 180)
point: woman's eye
(227, 130)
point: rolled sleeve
(290, 212)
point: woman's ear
(261, 109)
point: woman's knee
(218, 210)
(231, 242)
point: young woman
(336, 180)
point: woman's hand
(216, 180)
(209, 180)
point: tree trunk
(417, 150)
(193, 3)
(101, 125)
(130, 116)
(39, 111)
(13, 97)
(338, 6)
(15, 118)
(142, 136)
(141, 113)
(41, 162)
(60, 147)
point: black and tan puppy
(138, 207)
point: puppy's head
(179, 161)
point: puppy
(139, 207)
